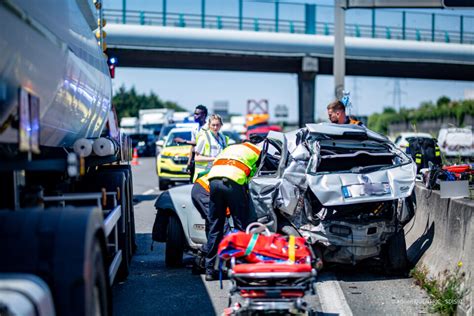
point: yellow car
(171, 163)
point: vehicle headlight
(141, 143)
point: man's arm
(180, 140)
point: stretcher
(271, 273)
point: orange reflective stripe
(227, 212)
(354, 121)
(235, 163)
(255, 150)
(203, 184)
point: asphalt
(154, 289)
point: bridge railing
(311, 19)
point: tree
(443, 108)
(128, 103)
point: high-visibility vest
(353, 120)
(236, 162)
(204, 182)
(201, 166)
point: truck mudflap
(25, 294)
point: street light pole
(339, 60)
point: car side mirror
(160, 143)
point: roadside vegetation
(445, 295)
(128, 102)
(443, 108)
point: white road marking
(331, 296)
(148, 192)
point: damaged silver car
(346, 189)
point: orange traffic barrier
(135, 157)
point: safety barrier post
(433, 27)
(124, 11)
(373, 23)
(461, 29)
(310, 13)
(142, 18)
(357, 31)
(277, 14)
(241, 12)
(203, 13)
(256, 27)
(219, 22)
(292, 27)
(404, 25)
(446, 37)
(164, 12)
(388, 33)
(326, 29)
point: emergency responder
(337, 114)
(200, 115)
(209, 145)
(200, 197)
(228, 178)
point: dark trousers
(200, 198)
(225, 193)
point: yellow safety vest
(236, 162)
(204, 182)
(201, 166)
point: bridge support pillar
(306, 91)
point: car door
(264, 185)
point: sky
(368, 94)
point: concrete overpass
(305, 55)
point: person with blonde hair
(209, 145)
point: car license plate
(365, 189)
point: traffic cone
(135, 157)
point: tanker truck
(66, 212)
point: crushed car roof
(352, 130)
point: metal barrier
(308, 19)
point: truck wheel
(396, 254)
(174, 243)
(99, 293)
(163, 184)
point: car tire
(163, 184)
(174, 243)
(396, 254)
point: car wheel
(174, 243)
(163, 184)
(396, 254)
